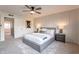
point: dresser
(60, 37)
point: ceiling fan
(32, 9)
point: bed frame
(38, 47)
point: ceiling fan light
(32, 12)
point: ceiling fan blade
(26, 10)
(38, 12)
(28, 6)
(38, 8)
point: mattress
(38, 38)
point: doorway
(9, 27)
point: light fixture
(32, 12)
(61, 26)
(38, 26)
(61, 29)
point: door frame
(12, 27)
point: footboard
(36, 46)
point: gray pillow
(44, 38)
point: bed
(39, 41)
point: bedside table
(60, 37)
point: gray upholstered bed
(39, 41)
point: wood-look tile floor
(16, 46)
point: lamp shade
(61, 26)
(38, 25)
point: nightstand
(60, 37)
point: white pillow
(44, 30)
(51, 32)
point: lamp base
(61, 31)
(37, 30)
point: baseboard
(2, 40)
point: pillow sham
(44, 30)
(50, 32)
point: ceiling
(46, 9)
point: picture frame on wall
(28, 24)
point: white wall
(2, 28)
(19, 25)
(69, 17)
(78, 27)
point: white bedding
(38, 38)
